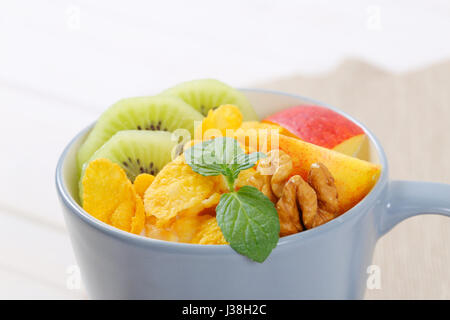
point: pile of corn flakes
(177, 204)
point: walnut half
(300, 204)
(317, 200)
(322, 181)
(271, 174)
(296, 191)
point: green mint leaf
(200, 158)
(245, 161)
(247, 218)
(225, 150)
(249, 222)
(220, 156)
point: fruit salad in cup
(195, 165)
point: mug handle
(411, 198)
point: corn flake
(218, 121)
(142, 182)
(138, 221)
(186, 226)
(109, 196)
(260, 125)
(177, 190)
(154, 232)
(209, 233)
(244, 177)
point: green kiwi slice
(159, 113)
(206, 94)
(137, 152)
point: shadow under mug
(327, 262)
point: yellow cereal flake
(121, 217)
(177, 190)
(218, 121)
(214, 199)
(105, 187)
(108, 195)
(253, 139)
(186, 226)
(209, 233)
(244, 177)
(154, 232)
(138, 221)
(227, 121)
(142, 182)
(259, 125)
(255, 136)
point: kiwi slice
(137, 152)
(159, 113)
(206, 94)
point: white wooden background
(63, 62)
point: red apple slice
(322, 127)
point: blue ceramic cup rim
(186, 248)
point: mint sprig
(247, 218)
(220, 156)
(249, 222)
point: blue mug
(327, 262)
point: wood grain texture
(35, 252)
(410, 114)
(37, 125)
(36, 261)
